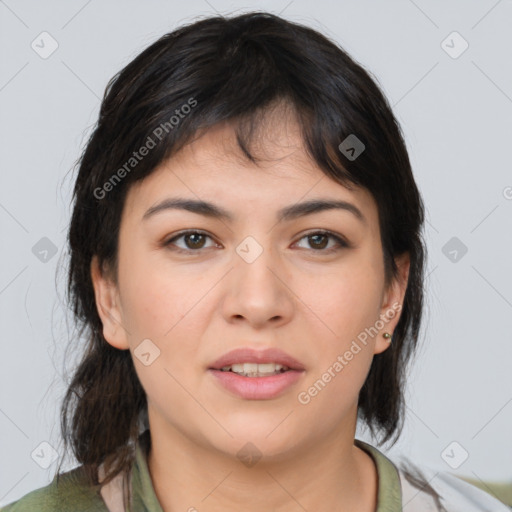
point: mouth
(256, 375)
(256, 370)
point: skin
(197, 306)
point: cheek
(154, 296)
(159, 307)
(347, 302)
(163, 305)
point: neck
(330, 475)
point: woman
(247, 265)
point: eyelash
(342, 244)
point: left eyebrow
(285, 214)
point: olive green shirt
(74, 495)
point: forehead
(213, 167)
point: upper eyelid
(188, 232)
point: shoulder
(70, 492)
(424, 490)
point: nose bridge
(257, 291)
(256, 263)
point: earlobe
(107, 305)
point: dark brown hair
(231, 69)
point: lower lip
(257, 388)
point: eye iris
(195, 235)
(324, 237)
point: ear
(107, 304)
(392, 303)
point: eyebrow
(285, 214)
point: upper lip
(249, 355)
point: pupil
(319, 236)
(194, 244)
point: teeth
(256, 370)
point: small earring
(387, 336)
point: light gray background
(456, 114)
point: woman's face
(254, 281)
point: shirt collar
(144, 496)
(389, 494)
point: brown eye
(319, 240)
(196, 240)
(193, 241)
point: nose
(258, 289)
